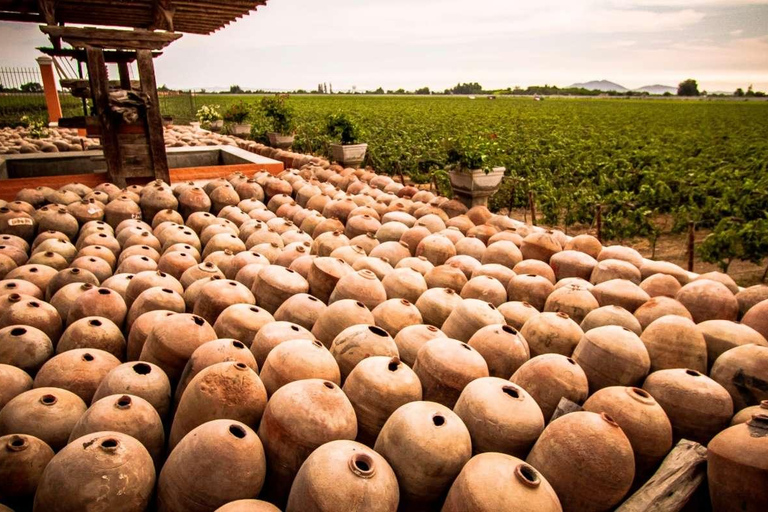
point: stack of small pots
(329, 339)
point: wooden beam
(97, 74)
(162, 15)
(21, 16)
(125, 77)
(110, 56)
(564, 407)
(112, 39)
(47, 10)
(154, 119)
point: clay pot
(9, 286)
(395, 314)
(436, 304)
(708, 300)
(485, 288)
(339, 316)
(140, 330)
(248, 506)
(500, 416)
(757, 318)
(324, 274)
(194, 479)
(241, 322)
(302, 309)
(22, 461)
(746, 413)
(362, 286)
(357, 342)
(611, 269)
(271, 335)
(587, 459)
(742, 372)
(101, 302)
(210, 353)
(68, 276)
(572, 263)
(516, 313)
(737, 472)
(120, 209)
(93, 332)
(620, 292)
(110, 468)
(128, 414)
(275, 285)
(300, 417)
(46, 413)
(612, 356)
(143, 380)
(445, 366)
(24, 347)
(411, 338)
(551, 333)
(530, 288)
(503, 348)
(540, 246)
(223, 390)
(296, 360)
(171, 343)
(573, 300)
(650, 267)
(15, 381)
(193, 199)
(449, 275)
(436, 248)
(697, 406)
(469, 316)
(155, 299)
(586, 244)
(658, 307)
(377, 387)
(723, 335)
(78, 370)
(523, 485)
(426, 444)
(404, 283)
(17, 223)
(660, 285)
(674, 342)
(611, 315)
(28, 311)
(218, 295)
(199, 272)
(747, 297)
(550, 377)
(176, 264)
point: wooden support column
(125, 77)
(154, 118)
(99, 80)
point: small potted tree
(235, 118)
(349, 152)
(473, 180)
(210, 118)
(280, 117)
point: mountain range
(605, 85)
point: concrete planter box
(473, 188)
(280, 141)
(240, 129)
(217, 125)
(351, 155)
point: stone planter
(351, 155)
(239, 129)
(280, 141)
(473, 188)
(217, 125)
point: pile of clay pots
(329, 339)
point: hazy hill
(657, 89)
(601, 85)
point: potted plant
(235, 117)
(473, 179)
(349, 153)
(280, 117)
(210, 117)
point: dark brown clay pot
(101, 302)
(612, 356)
(93, 332)
(128, 414)
(357, 342)
(300, 417)
(28, 311)
(674, 342)
(445, 366)
(500, 416)
(737, 467)
(611, 315)
(344, 475)
(550, 377)
(78, 370)
(697, 406)
(46, 413)
(110, 468)
(223, 390)
(24, 347)
(298, 359)
(523, 486)
(708, 300)
(503, 348)
(426, 445)
(194, 479)
(22, 461)
(743, 372)
(587, 459)
(551, 333)
(140, 330)
(339, 316)
(143, 380)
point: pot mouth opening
(527, 475)
(693, 373)
(109, 445)
(394, 364)
(18, 331)
(509, 330)
(124, 402)
(570, 360)
(237, 431)
(88, 357)
(95, 323)
(378, 331)
(142, 368)
(198, 320)
(360, 304)
(608, 419)
(104, 291)
(17, 443)
(328, 384)
(48, 399)
(238, 344)
(511, 391)
(362, 465)
(438, 420)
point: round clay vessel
(22, 461)
(573, 300)
(743, 372)
(530, 288)
(93, 332)
(24, 347)
(357, 342)
(551, 333)
(611, 315)
(723, 335)
(757, 318)
(272, 334)
(143, 380)
(675, 342)
(78, 370)
(445, 366)
(708, 300)
(658, 307)
(550, 377)
(503, 348)
(436, 304)
(298, 359)
(470, 316)
(612, 356)
(13, 382)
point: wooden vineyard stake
(691, 243)
(532, 205)
(673, 484)
(599, 222)
(564, 407)
(511, 197)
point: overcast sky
(290, 44)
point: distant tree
(667, 93)
(423, 90)
(688, 88)
(379, 91)
(739, 92)
(750, 91)
(31, 87)
(468, 88)
(163, 88)
(202, 91)
(300, 91)
(330, 88)
(400, 91)
(235, 89)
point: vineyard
(653, 166)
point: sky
(365, 44)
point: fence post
(691, 244)
(511, 198)
(599, 222)
(49, 86)
(532, 204)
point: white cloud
(736, 32)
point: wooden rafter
(112, 39)
(162, 16)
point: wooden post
(49, 87)
(564, 407)
(691, 244)
(671, 487)
(599, 222)
(532, 205)
(511, 197)
(154, 118)
(125, 77)
(99, 81)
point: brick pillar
(49, 86)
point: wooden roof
(190, 16)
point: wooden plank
(671, 487)
(81, 37)
(564, 407)
(97, 74)
(154, 118)
(125, 77)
